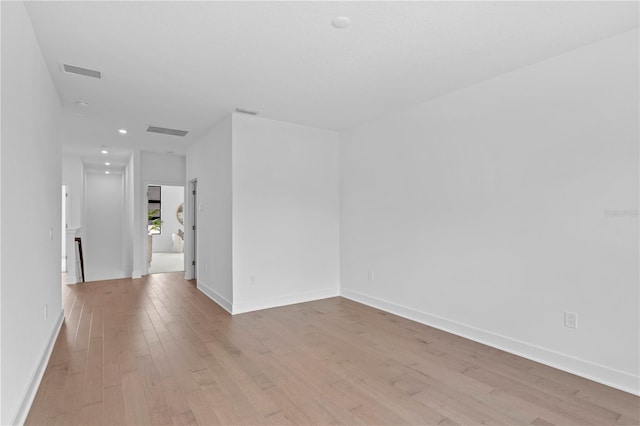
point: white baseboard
(106, 276)
(72, 279)
(135, 274)
(215, 296)
(289, 299)
(598, 373)
(36, 378)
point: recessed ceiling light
(122, 131)
(106, 172)
(107, 164)
(82, 104)
(341, 22)
(104, 151)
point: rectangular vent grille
(165, 131)
(247, 111)
(81, 71)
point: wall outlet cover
(571, 320)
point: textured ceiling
(186, 65)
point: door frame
(191, 231)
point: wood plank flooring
(157, 351)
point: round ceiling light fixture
(82, 104)
(341, 22)
(106, 172)
(122, 131)
(104, 151)
(107, 164)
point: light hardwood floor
(157, 351)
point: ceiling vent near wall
(72, 69)
(247, 111)
(165, 131)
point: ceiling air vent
(165, 131)
(247, 111)
(72, 69)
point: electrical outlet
(370, 275)
(51, 234)
(571, 320)
(252, 278)
(46, 311)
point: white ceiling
(186, 65)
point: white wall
(268, 213)
(163, 169)
(73, 177)
(1, 116)
(103, 241)
(484, 212)
(285, 213)
(139, 222)
(129, 185)
(171, 198)
(31, 214)
(209, 161)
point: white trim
(106, 276)
(71, 279)
(135, 274)
(274, 302)
(36, 378)
(190, 234)
(215, 296)
(598, 373)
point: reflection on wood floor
(157, 351)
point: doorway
(165, 228)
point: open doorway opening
(165, 228)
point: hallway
(157, 351)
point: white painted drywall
(285, 213)
(1, 117)
(139, 222)
(103, 241)
(209, 161)
(0, 233)
(63, 225)
(171, 198)
(73, 177)
(488, 211)
(31, 213)
(162, 169)
(128, 185)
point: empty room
(320, 212)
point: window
(154, 195)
